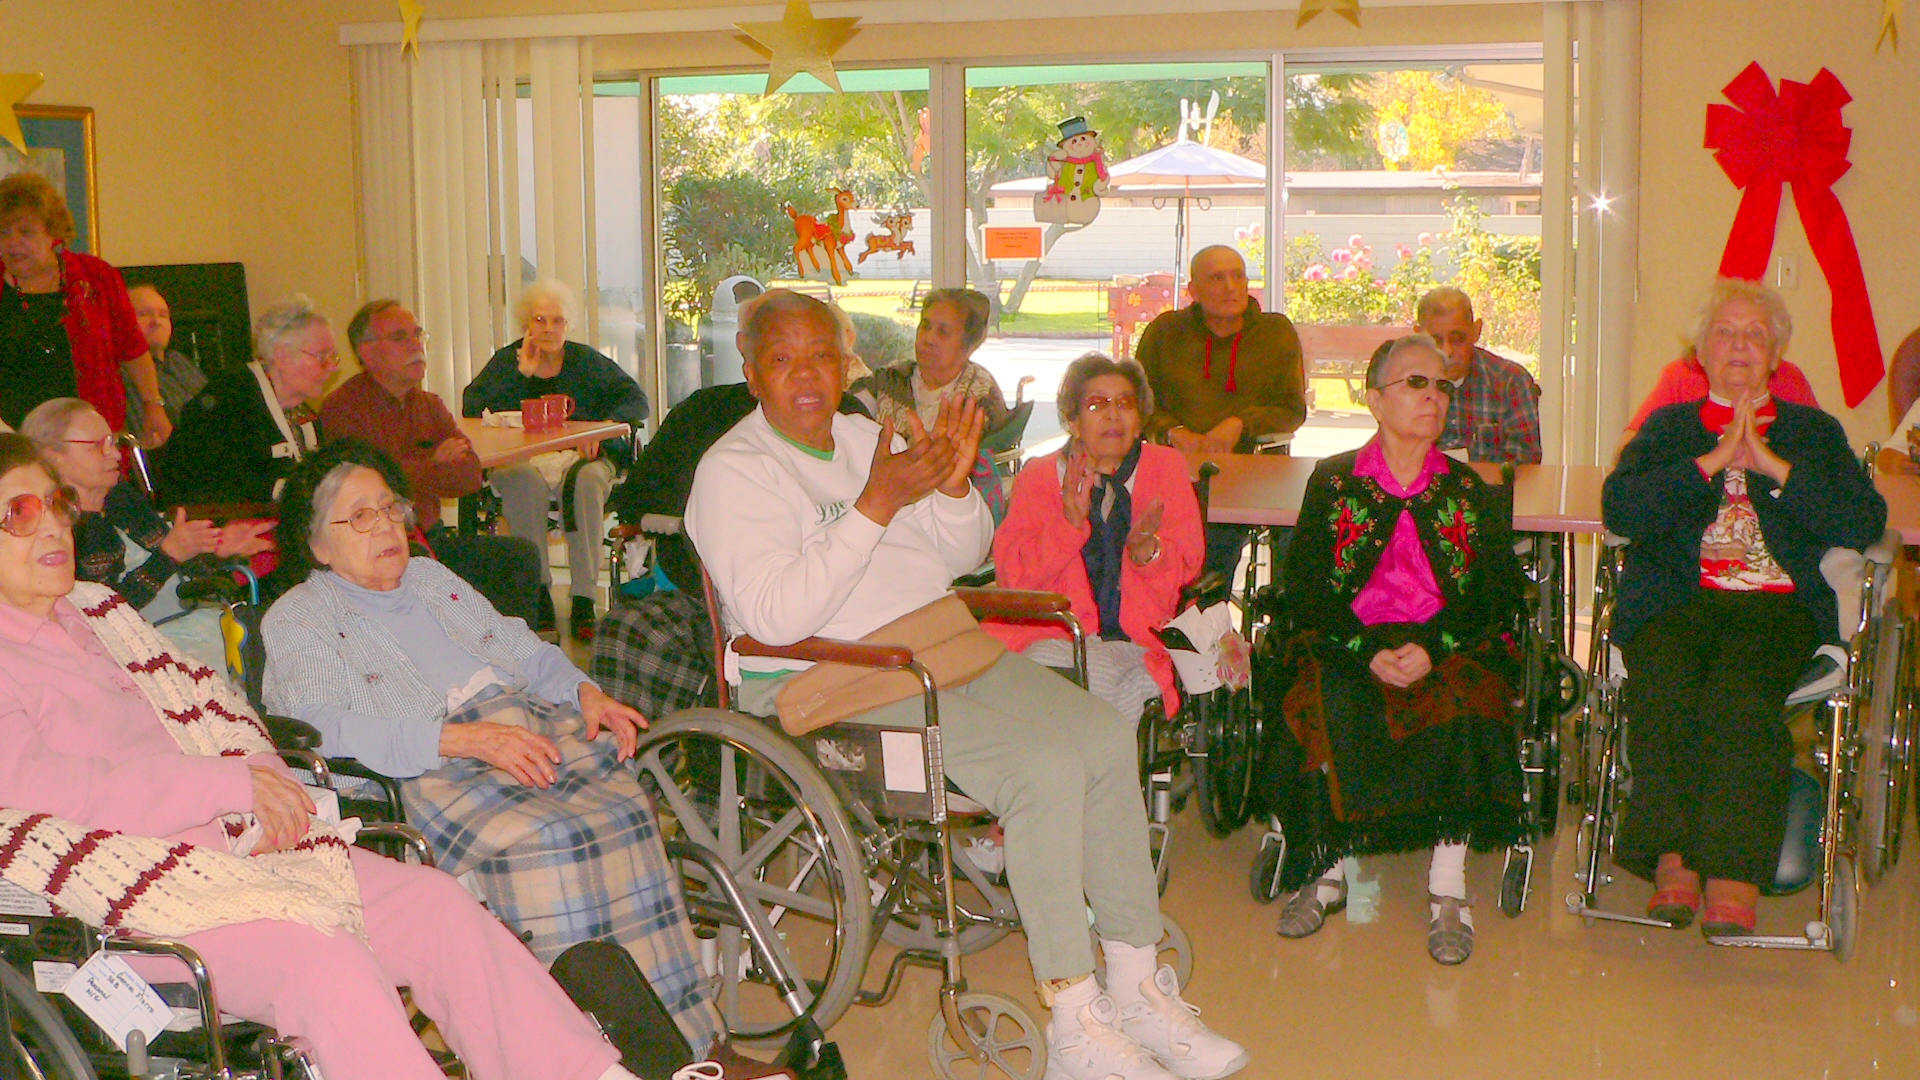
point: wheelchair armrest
(290, 734)
(829, 651)
(228, 511)
(400, 832)
(1013, 603)
(218, 588)
(1208, 589)
(648, 525)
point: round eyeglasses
(25, 512)
(363, 520)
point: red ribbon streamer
(1795, 136)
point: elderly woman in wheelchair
(141, 795)
(812, 523)
(1397, 689)
(1730, 504)
(513, 763)
(1109, 521)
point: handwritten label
(118, 1000)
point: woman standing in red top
(67, 328)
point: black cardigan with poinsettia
(1465, 527)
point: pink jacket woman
(1038, 547)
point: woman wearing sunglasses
(219, 842)
(1396, 689)
(513, 763)
(1110, 521)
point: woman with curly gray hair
(240, 436)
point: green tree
(1441, 114)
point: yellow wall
(1692, 48)
(226, 129)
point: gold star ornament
(411, 12)
(15, 89)
(1890, 12)
(1346, 9)
(798, 43)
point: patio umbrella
(1177, 170)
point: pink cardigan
(1035, 548)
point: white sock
(1129, 967)
(1328, 892)
(1447, 873)
(1067, 1004)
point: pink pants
(495, 1004)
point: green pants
(1058, 768)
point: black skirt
(1350, 766)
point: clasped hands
(1401, 667)
(1743, 447)
(1221, 440)
(237, 539)
(937, 460)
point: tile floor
(1543, 995)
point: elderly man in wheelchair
(141, 795)
(1730, 504)
(812, 524)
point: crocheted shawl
(159, 887)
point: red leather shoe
(1727, 920)
(1675, 907)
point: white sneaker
(1098, 1050)
(990, 857)
(1170, 1028)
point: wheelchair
(1552, 689)
(1850, 817)
(51, 1039)
(840, 839)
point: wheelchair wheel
(40, 1045)
(1016, 1043)
(734, 785)
(1886, 753)
(1515, 882)
(975, 894)
(1222, 760)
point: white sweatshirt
(791, 558)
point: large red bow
(1765, 140)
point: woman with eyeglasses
(137, 791)
(1109, 521)
(513, 763)
(1734, 503)
(246, 430)
(75, 442)
(1392, 719)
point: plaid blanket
(574, 862)
(656, 654)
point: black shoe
(544, 618)
(582, 619)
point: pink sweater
(1035, 548)
(80, 741)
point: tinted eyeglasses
(363, 520)
(25, 512)
(1419, 382)
(1125, 403)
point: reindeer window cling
(898, 224)
(823, 244)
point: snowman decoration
(1077, 177)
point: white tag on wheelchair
(903, 757)
(118, 1000)
(15, 900)
(52, 976)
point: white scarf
(159, 887)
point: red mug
(559, 408)
(535, 413)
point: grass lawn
(1053, 307)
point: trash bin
(727, 365)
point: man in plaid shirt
(1495, 414)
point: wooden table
(500, 446)
(1266, 489)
